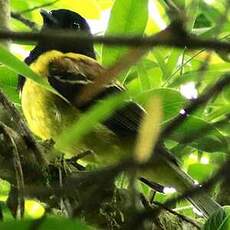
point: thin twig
(80, 156)
(195, 104)
(169, 79)
(18, 172)
(153, 185)
(148, 206)
(32, 25)
(204, 66)
(38, 7)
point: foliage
(219, 220)
(162, 72)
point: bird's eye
(76, 26)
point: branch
(179, 39)
(32, 25)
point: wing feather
(68, 76)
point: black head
(64, 20)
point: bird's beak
(48, 18)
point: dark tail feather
(205, 204)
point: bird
(70, 67)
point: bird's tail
(204, 203)
(182, 182)
(201, 201)
(172, 176)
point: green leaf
(128, 17)
(167, 60)
(219, 113)
(19, 5)
(211, 141)
(144, 78)
(158, 53)
(192, 9)
(20, 67)
(219, 220)
(7, 215)
(210, 12)
(172, 62)
(202, 21)
(145, 75)
(199, 171)
(8, 83)
(172, 101)
(211, 75)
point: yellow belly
(48, 116)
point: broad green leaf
(172, 62)
(200, 172)
(128, 17)
(19, 5)
(8, 83)
(220, 220)
(19, 67)
(145, 75)
(211, 141)
(167, 60)
(219, 112)
(144, 78)
(11, 93)
(172, 101)
(158, 54)
(226, 130)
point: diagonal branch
(180, 39)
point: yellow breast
(47, 115)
